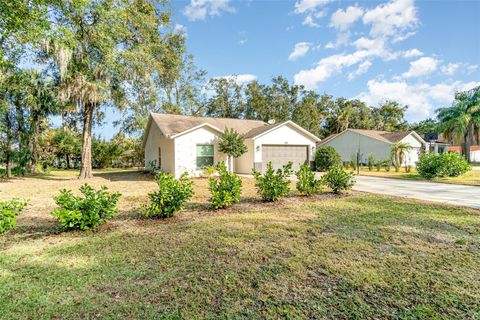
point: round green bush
(9, 210)
(85, 212)
(226, 189)
(447, 164)
(326, 158)
(171, 196)
(338, 179)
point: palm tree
(462, 119)
(399, 151)
(40, 98)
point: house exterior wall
(186, 150)
(244, 164)
(413, 155)
(155, 140)
(284, 135)
(348, 143)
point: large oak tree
(104, 52)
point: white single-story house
(377, 143)
(178, 143)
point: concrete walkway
(467, 196)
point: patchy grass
(471, 178)
(361, 256)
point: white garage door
(280, 155)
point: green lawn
(356, 256)
(472, 177)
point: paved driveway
(468, 196)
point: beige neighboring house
(178, 143)
(376, 143)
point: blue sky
(416, 52)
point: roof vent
(271, 121)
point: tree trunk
(9, 162)
(86, 162)
(468, 141)
(34, 156)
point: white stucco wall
(284, 135)
(413, 155)
(155, 139)
(348, 143)
(186, 150)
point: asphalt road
(467, 196)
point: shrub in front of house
(326, 157)
(85, 212)
(338, 179)
(447, 164)
(273, 184)
(171, 196)
(371, 162)
(307, 184)
(209, 171)
(9, 210)
(225, 189)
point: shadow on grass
(124, 175)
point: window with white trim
(205, 155)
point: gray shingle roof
(259, 130)
(172, 124)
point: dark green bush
(338, 179)
(306, 182)
(447, 164)
(378, 165)
(9, 210)
(19, 171)
(226, 188)
(326, 157)
(171, 196)
(273, 185)
(87, 212)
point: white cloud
(421, 67)
(240, 79)
(313, 10)
(471, 68)
(308, 21)
(342, 20)
(362, 68)
(303, 6)
(342, 39)
(422, 98)
(412, 53)
(328, 67)
(334, 64)
(300, 50)
(200, 9)
(450, 68)
(180, 28)
(392, 19)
